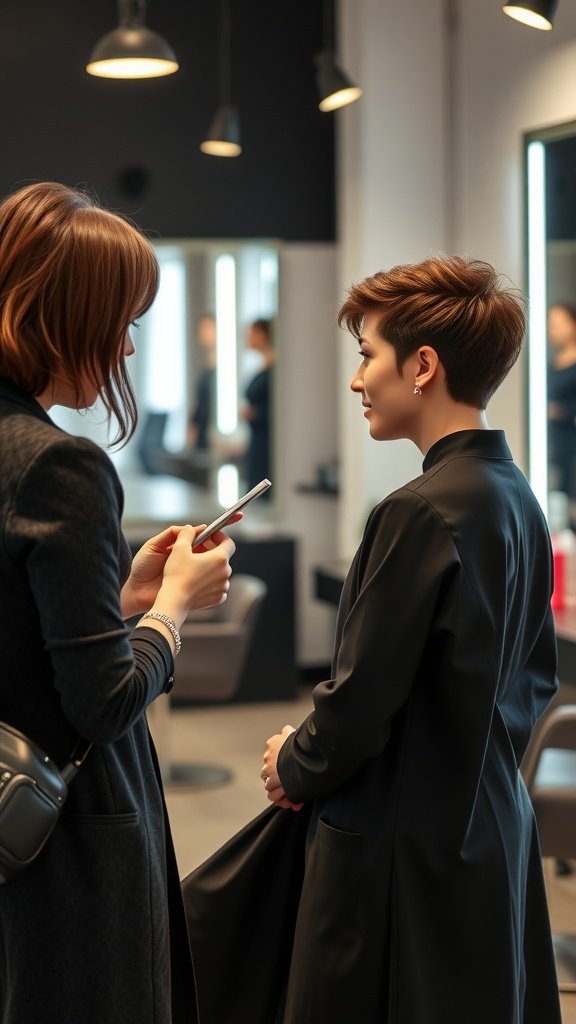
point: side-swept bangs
(458, 306)
(72, 277)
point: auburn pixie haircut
(457, 306)
(72, 278)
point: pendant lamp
(535, 13)
(132, 50)
(334, 87)
(223, 137)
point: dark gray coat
(423, 900)
(93, 931)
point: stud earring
(417, 390)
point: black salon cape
(423, 900)
(420, 897)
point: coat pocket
(91, 910)
(327, 962)
(338, 840)
(103, 820)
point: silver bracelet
(170, 624)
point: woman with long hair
(93, 930)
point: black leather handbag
(32, 794)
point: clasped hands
(269, 774)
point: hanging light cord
(329, 33)
(224, 74)
(132, 12)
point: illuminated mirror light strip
(166, 329)
(537, 323)
(166, 350)
(227, 485)
(226, 357)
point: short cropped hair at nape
(73, 276)
(459, 307)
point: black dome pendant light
(132, 50)
(223, 137)
(334, 87)
(535, 13)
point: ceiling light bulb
(534, 13)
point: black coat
(423, 900)
(93, 931)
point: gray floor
(233, 736)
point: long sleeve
(406, 559)
(64, 526)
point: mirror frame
(536, 287)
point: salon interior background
(431, 158)
(137, 142)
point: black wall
(61, 124)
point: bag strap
(77, 758)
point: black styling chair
(549, 770)
(215, 643)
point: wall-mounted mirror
(551, 261)
(204, 376)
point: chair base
(565, 956)
(184, 774)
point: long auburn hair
(72, 278)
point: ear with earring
(417, 390)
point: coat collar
(17, 396)
(483, 444)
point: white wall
(393, 201)
(512, 80)
(306, 428)
(431, 158)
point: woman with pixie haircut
(93, 930)
(423, 899)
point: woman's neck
(458, 417)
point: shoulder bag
(32, 794)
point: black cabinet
(270, 672)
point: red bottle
(559, 560)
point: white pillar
(393, 153)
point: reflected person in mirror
(257, 410)
(562, 402)
(423, 898)
(202, 415)
(99, 914)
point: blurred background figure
(562, 400)
(202, 412)
(256, 411)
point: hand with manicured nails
(168, 576)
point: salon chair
(549, 770)
(215, 643)
(150, 444)
(196, 467)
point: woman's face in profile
(561, 327)
(65, 395)
(387, 396)
(91, 392)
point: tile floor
(233, 736)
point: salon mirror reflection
(204, 377)
(551, 237)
